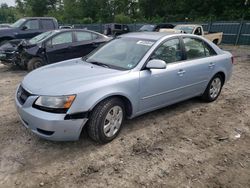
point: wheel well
(223, 76)
(126, 101)
(215, 41)
(5, 38)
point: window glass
(83, 36)
(47, 24)
(41, 37)
(169, 52)
(185, 28)
(18, 23)
(194, 48)
(209, 51)
(32, 24)
(123, 53)
(94, 36)
(198, 31)
(62, 38)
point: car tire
(34, 63)
(213, 89)
(215, 41)
(106, 120)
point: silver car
(129, 76)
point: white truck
(216, 38)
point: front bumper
(49, 125)
(9, 58)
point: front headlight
(56, 104)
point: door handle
(181, 72)
(211, 65)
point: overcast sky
(9, 2)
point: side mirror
(156, 64)
(48, 44)
(24, 28)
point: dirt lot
(191, 144)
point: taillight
(232, 59)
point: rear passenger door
(47, 24)
(197, 67)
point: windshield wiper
(98, 63)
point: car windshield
(41, 37)
(186, 29)
(121, 53)
(147, 28)
(18, 23)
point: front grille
(22, 95)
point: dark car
(26, 28)
(156, 28)
(5, 25)
(114, 29)
(50, 47)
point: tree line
(127, 11)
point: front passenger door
(161, 87)
(59, 48)
(29, 29)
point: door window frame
(39, 24)
(50, 40)
(204, 43)
(166, 40)
(92, 39)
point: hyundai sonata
(133, 74)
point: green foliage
(127, 11)
(121, 18)
(87, 20)
(6, 14)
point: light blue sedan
(129, 76)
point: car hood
(66, 77)
(6, 31)
(11, 45)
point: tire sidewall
(209, 98)
(102, 117)
(32, 62)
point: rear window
(47, 24)
(196, 48)
(119, 27)
(83, 36)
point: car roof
(85, 30)
(188, 25)
(146, 35)
(39, 18)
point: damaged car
(50, 47)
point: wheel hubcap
(37, 65)
(215, 88)
(113, 121)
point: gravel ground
(190, 144)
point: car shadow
(12, 69)
(133, 124)
(85, 147)
(142, 121)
